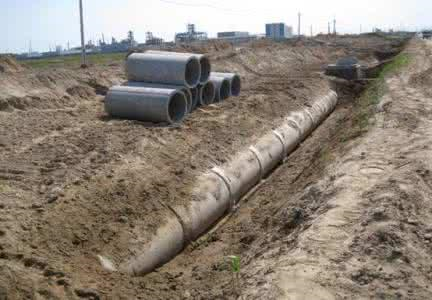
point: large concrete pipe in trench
(221, 188)
(203, 59)
(222, 87)
(146, 104)
(234, 79)
(183, 89)
(160, 68)
(206, 93)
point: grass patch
(74, 60)
(3, 187)
(365, 106)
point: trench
(188, 227)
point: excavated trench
(220, 189)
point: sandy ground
(75, 184)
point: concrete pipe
(206, 93)
(269, 151)
(208, 204)
(301, 121)
(220, 189)
(234, 79)
(203, 59)
(167, 69)
(240, 174)
(165, 244)
(183, 89)
(146, 104)
(223, 88)
(289, 136)
(195, 97)
(210, 201)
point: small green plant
(234, 262)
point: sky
(46, 23)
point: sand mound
(9, 64)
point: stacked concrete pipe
(219, 190)
(185, 90)
(160, 68)
(234, 79)
(206, 93)
(222, 88)
(187, 73)
(203, 59)
(146, 104)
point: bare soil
(75, 184)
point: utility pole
(311, 29)
(299, 24)
(334, 26)
(83, 50)
(361, 29)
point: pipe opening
(188, 98)
(195, 101)
(205, 69)
(235, 85)
(192, 72)
(224, 91)
(207, 93)
(177, 107)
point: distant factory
(277, 31)
(191, 35)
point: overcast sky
(55, 22)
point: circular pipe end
(177, 107)
(207, 93)
(224, 90)
(195, 98)
(235, 86)
(205, 69)
(192, 72)
(188, 95)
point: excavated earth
(338, 219)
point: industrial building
(232, 34)
(151, 40)
(278, 31)
(191, 35)
(122, 46)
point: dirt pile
(9, 64)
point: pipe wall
(203, 59)
(167, 69)
(180, 88)
(146, 104)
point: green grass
(3, 187)
(365, 107)
(74, 60)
